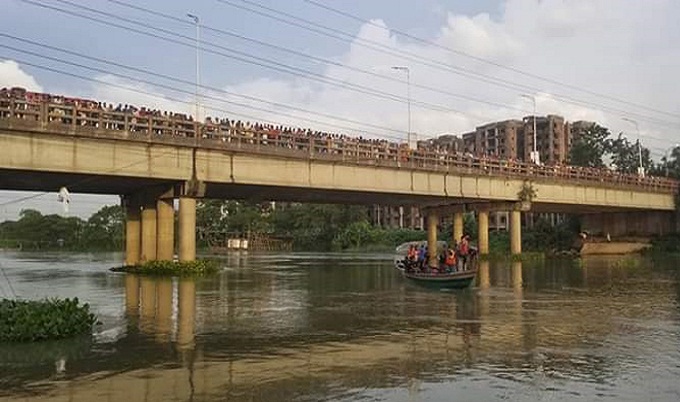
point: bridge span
(150, 159)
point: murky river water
(340, 327)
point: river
(347, 327)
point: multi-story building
(393, 217)
(500, 139)
(553, 138)
(577, 128)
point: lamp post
(641, 169)
(198, 70)
(535, 158)
(408, 98)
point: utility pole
(535, 157)
(198, 69)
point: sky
(327, 64)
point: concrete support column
(133, 229)
(166, 229)
(187, 229)
(149, 232)
(483, 232)
(457, 227)
(432, 220)
(515, 232)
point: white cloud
(11, 75)
(603, 46)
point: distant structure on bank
(506, 140)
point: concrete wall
(629, 224)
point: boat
(443, 277)
(402, 249)
(452, 280)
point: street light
(535, 158)
(408, 98)
(641, 169)
(198, 81)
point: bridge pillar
(133, 228)
(457, 227)
(432, 220)
(187, 229)
(149, 231)
(515, 232)
(483, 232)
(166, 229)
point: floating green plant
(31, 321)
(172, 268)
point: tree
(670, 166)
(589, 148)
(104, 229)
(625, 155)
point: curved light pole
(535, 158)
(198, 70)
(641, 169)
(408, 98)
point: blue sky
(601, 60)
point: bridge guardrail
(161, 127)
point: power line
(256, 60)
(175, 89)
(486, 61)
(312, 57)
(285, 68)
(346, 37)
(179, 80)
(9, 283)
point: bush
(31, 321)
(172, 268)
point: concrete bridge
(151, 159)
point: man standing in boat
(464, 250)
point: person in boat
(411, 258)
(464, 250)
(450, 260)
(422, 256)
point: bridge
(151, 158)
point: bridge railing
(163, 127)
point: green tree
(670, 165)
(625, 155)
(104, 229)
(315, 226)
(589, 148)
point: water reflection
(348, 327)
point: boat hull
(458, 280)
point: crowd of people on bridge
(84, 113)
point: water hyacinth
(172, 268)
(31, 321)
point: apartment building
(500, 139)
(553, 138)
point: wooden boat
(461, 278)
(452, 280)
